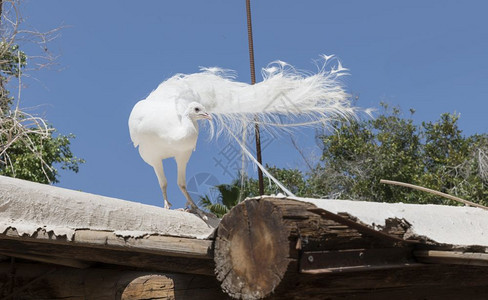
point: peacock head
(196, 111)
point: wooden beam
(174, 254)
(115, 255)
(42, 281)
(427, 281)
(352, 260)
(451, 257)
(360, 268)
(67, 262)
(162, 245)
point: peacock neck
(188, 122)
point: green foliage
(434, 155)
(243, 187)
(12, 61)
(229, 195)
(29, 149)
(38, 164)
(452, 161)
(293, 179)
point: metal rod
(253, 81)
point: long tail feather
(260, 166)
(286, 97)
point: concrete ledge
(29, 207)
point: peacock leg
(163, 183)
(181, 162)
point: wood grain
(108, 255)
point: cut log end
(251, 250)
(275, 246)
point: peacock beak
(207, 116)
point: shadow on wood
(43, 281)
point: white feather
(285, 98)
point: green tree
(452, 161)
(434, 154)
(229, 195)
(29, 147)
(293, 179)
(36, 157)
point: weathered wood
(110, 255)
(403, 283)
(315, 262)
(452, 257)
(173, 286)
(67, 262)
(174, 254)
(433, 224)
(162, 245)
(43, 281)
(286, 249)
(249, 238)
(259, 243)
(355, 224)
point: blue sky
(428, 55)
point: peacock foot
(167, 205)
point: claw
(167, 205)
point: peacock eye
(197, 109)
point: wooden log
(250, 237)
(287, 249)
(259, 243)
(43, 281)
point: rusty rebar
(253, 81)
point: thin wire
(253, 81)
(260, 166)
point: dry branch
(423, 189)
